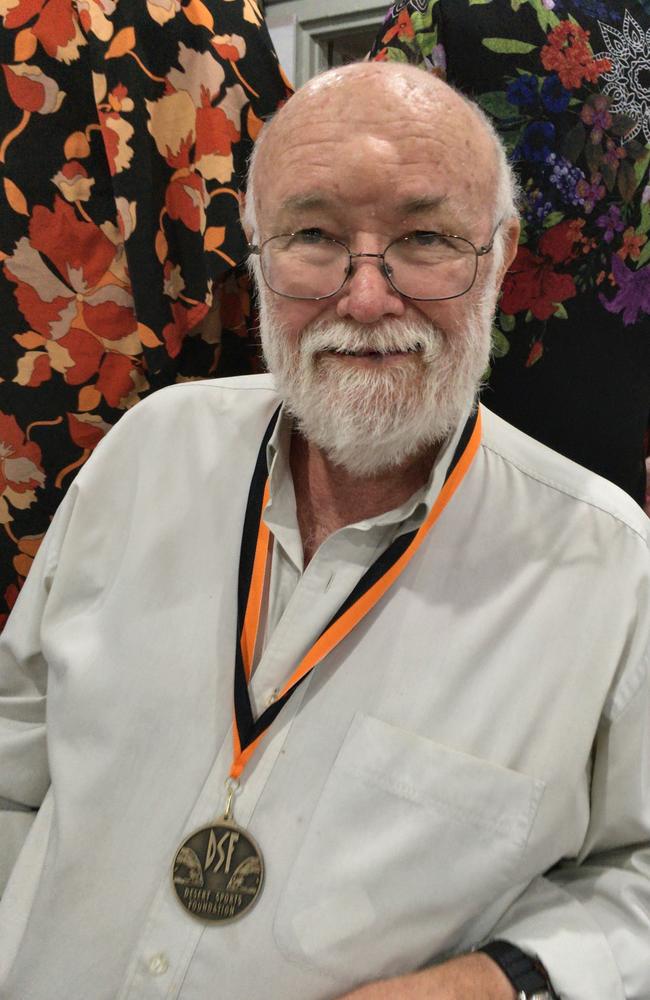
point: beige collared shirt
(469, 761)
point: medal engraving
(218, 872)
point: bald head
(385, 110)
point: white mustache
(342, 337)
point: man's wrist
(525, 973)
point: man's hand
(470, 977)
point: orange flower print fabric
(125, 130)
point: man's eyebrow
(412, 206)
(305, 202)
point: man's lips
(369, 353)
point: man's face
(354, 162)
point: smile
(376, 354)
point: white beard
(370, 419)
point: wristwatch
(527, 975)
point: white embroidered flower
(628, 81)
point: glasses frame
(485, 248)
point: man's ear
(248, 229)
(511, 244)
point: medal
(218, 871)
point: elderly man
(378, 721)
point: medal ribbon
(255, 547)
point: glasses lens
(304, 265)
(431, 265)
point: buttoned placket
(170, 936)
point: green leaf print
(497, 105)
(500, 343)
(552, 219)
(508, 46)
(644, 256)
(506, 322)
(423, 22)
(644, 224)
(574, 142)
(427, 42)
(627, 182)
(545, 17)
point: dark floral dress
(567, 84)
(125, 127)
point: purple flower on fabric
(523, 91)
(538, 207)
(566, 178)
(555, 97)
(633, 296)
(536, 142)
(611, 222)
(589, 192)
(596, 113)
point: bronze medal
(218, 872)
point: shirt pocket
(410, 843)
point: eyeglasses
(425, 266)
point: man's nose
(367, 295)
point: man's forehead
(361, 138)
(405, 169)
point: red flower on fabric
(20, 468)
(229, 46)
(116, 130)
(68, 294)
(569, 53)
(31, 90)
(402, 28)
(86, 429)
(532, 283)
(186, 198)
(215, 133)
(185, 319)
(56, 27)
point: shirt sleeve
(588, 920)
(24, 772)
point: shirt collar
(408, 516)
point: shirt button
(273, 697)
(158, 965)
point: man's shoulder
(202, 405)
(244, 392)
(190, 425)
(552, 478)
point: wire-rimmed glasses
(424, 266)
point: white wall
(301, 30)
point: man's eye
(427, 239)
(309, 236)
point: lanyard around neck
(255, 548)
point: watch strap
(526, 974)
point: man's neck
(329, 497)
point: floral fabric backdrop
(567, 84)
(125, 129)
